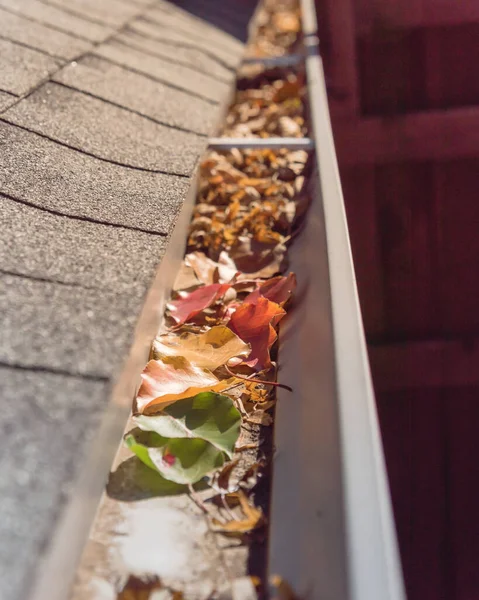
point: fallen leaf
(224, 476)
(191, 303)
(207, 416)
(254, 324)
(182, 460)
(260, 417)
(208, 350)
(277, 289)
(208, 271)
(173, 378)
(253, 517)
(139, 589)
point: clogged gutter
(203, 417)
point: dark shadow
(134, 481)
(230, 17)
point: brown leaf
(252, 519)
(173, 378)
(208, 271)
(209, 350)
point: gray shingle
(107, 131)
(55, 43)
(6, 100)
(134, 91)
(187, 56)
(51, 15)
(185, 78)
(64, 180)
(22, 68)
(112, 13)
(42, 245)
(44, 429)
(72, 329)
(154, 30)
(200, 29)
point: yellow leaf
(173, 378)
(253, 517)
(208, 350)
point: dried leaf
(208, 271)
(277, 289)
(208, 350)
(173, 378)
(254, 324)
(253, 517)
(223, 478)
(192, 303)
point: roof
(105, 108)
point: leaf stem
(251, 379)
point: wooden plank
(463, 491)
(340, 57)
(359, 196)
(432, 135)
(412, 429)
(458, 248)
(394, 14)
(408, 247)
(394, 412)
(425, 364)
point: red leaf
(254, 324)
(277, 289)
(190, 304)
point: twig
(252, 380)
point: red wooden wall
(404, 98)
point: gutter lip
(365, 563)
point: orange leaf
(192, 303)
(254, 324)
(253, 517)
(173, 378)
(277, 289)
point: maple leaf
(170, 379)
(277, 289)
(254, 324)
(209, 350)
(192, 303)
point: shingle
(51, 15)
(55, 43)
(21, 68)
(6, 100)
(72, 329)
(154, 30)
(138, 93)
(92, 125)
(45, 428)
(187, 56)
(64, 180)
(113, 13)
(185, 78)
(229, 38)
(38, 244)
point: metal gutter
(332, 527)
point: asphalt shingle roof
(105, 109)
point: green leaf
(182, 460)
(207, 416)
